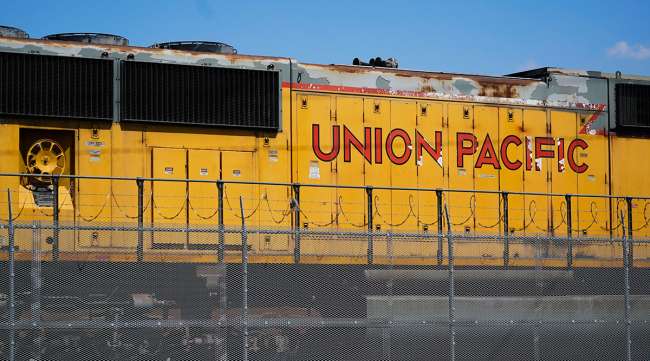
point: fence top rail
(336, 186)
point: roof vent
(202, 46)
(11, 32)
(90, 38)
(377, 62)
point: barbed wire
(235, 213)
(340, 205)
(284, 213)
(20, 211)
(90, 219)
(216, 211)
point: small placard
(203, 171)
(314, 170)
(236, 173)
(273, 155)
(169, 170)
(94, 143)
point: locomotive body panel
(404, 133)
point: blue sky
(485, 37)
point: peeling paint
(564, 88)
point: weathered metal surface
(590, 308)
(12, 32)
(567, 89)
(467, 275)
(63, 48)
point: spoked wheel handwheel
(45, 157)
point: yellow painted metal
(288, 156)
(349, 204)
(563, 125)
(403, 206)
(512, 180)
(93, 201)
(274, 165)
(535, 181)
(593, 214)
(629, 160)
(460, 205)
(169, 199)
(511, 123)
(239, 166)
(203, 164)
(376, 114)
(430, 172)
(536, 207)
(317, 206)
(487, 207)
(130, 158)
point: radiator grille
(633, 105)
(199, 95)
(56, 86)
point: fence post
(36, 273)
(222, 239)
(626, 289)
(439, 210)
(452, 308)
(296, 238)
(506, 231)
(370, 224)
(55, 218)
(12, 284)
(140, 247)
(244, 261)
(569, 232)
(630, 244)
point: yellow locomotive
(547, 132)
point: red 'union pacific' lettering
(481, 153)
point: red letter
(365, 149)
(510, 139)
(529, 153)
(487, 154)
(378, 150)
(420, 143)
(560, 155)
(576, 143)
(389, 146)
(543, 153)
(461, 150)
(315, 143)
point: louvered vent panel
(633, 105)
(200, 95)
(56, 86)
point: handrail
(335, 186)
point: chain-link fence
(145, 269)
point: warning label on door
(314, 170)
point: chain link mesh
(359, 274)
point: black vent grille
(56, 86)
(199, 95)
(633, 105)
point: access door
(239, 167)
(168, 200)
(203, 202)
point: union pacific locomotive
(126, 166)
